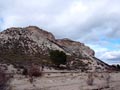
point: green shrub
(57, 57)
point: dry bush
(32, 71)
(107, 77)
(90, 79)
(35, 70)
(25, 71)
(4, 78)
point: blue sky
(93, 22)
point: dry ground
(68, 81)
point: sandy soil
(68, 81)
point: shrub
(33, 70)
(37, 74)
(116, 67)
(90, 79)
(4, 78)
(107, 80)
(25, 71)
(57, 57)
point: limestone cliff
(34, 42)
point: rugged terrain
(32, 44)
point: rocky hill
(33, 44)
(75, 48)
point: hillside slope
(31, 43)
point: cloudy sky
(93, 22)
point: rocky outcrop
(43, 33)
(33, 41)
(30, 40)
(75, 48)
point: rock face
(30, 40)
(33, 41)
(75, 48)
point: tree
(57, 57)
(118, 66)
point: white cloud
(92, 22)
(105, 54)
(111, 55)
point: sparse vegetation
(4, 78)
(116, 67)
(25, 71)
(33, 70)
(90, 79)
(108, 80)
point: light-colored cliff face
(29, 40)
(35, 41)
(32, 39)
(74, 47)
(39, 32)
